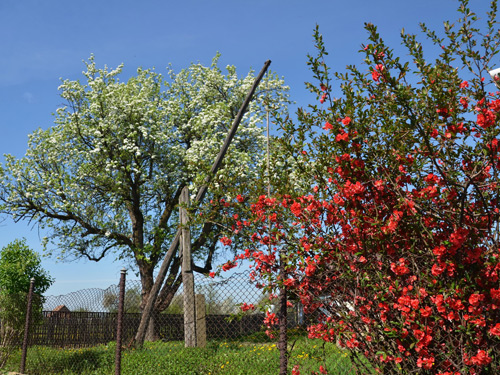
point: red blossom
(494, 105)
(270, 319)
(495, 330)
(226, 241)
(296, 209)
(377, 72)
(495, 294)
(328, 126)
(438, 269)
(426, 311)
(342, 136)
(493, 146)
(439, 251)
(246, 307)
(485, 118)
(229, 265)
(444, 112)
(425, 362)
(481, 358)
(310, 269)
(400, 268)
(475, 299)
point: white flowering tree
(106, 178)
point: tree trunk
(152, 333)
(147, 281)
(164, 300)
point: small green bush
(18, 265)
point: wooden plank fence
(84, 329)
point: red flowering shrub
(396, 246)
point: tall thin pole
(119, 323)
(268, 152)
(282, 295)
(27, 326)
(190, 335)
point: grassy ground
(165, 358)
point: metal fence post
(27, 327)
(119, 323)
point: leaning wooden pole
(162, 273)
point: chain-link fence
(87, 317)
(77, 333)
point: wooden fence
(84, 329)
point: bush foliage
(395, 246)
(18, 265)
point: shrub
(18, 264)
(396, 246)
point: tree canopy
(18, 264)
(131, 303)
(106, 177)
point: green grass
(172, 358)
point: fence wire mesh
(76, 334)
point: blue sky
(43, 41)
